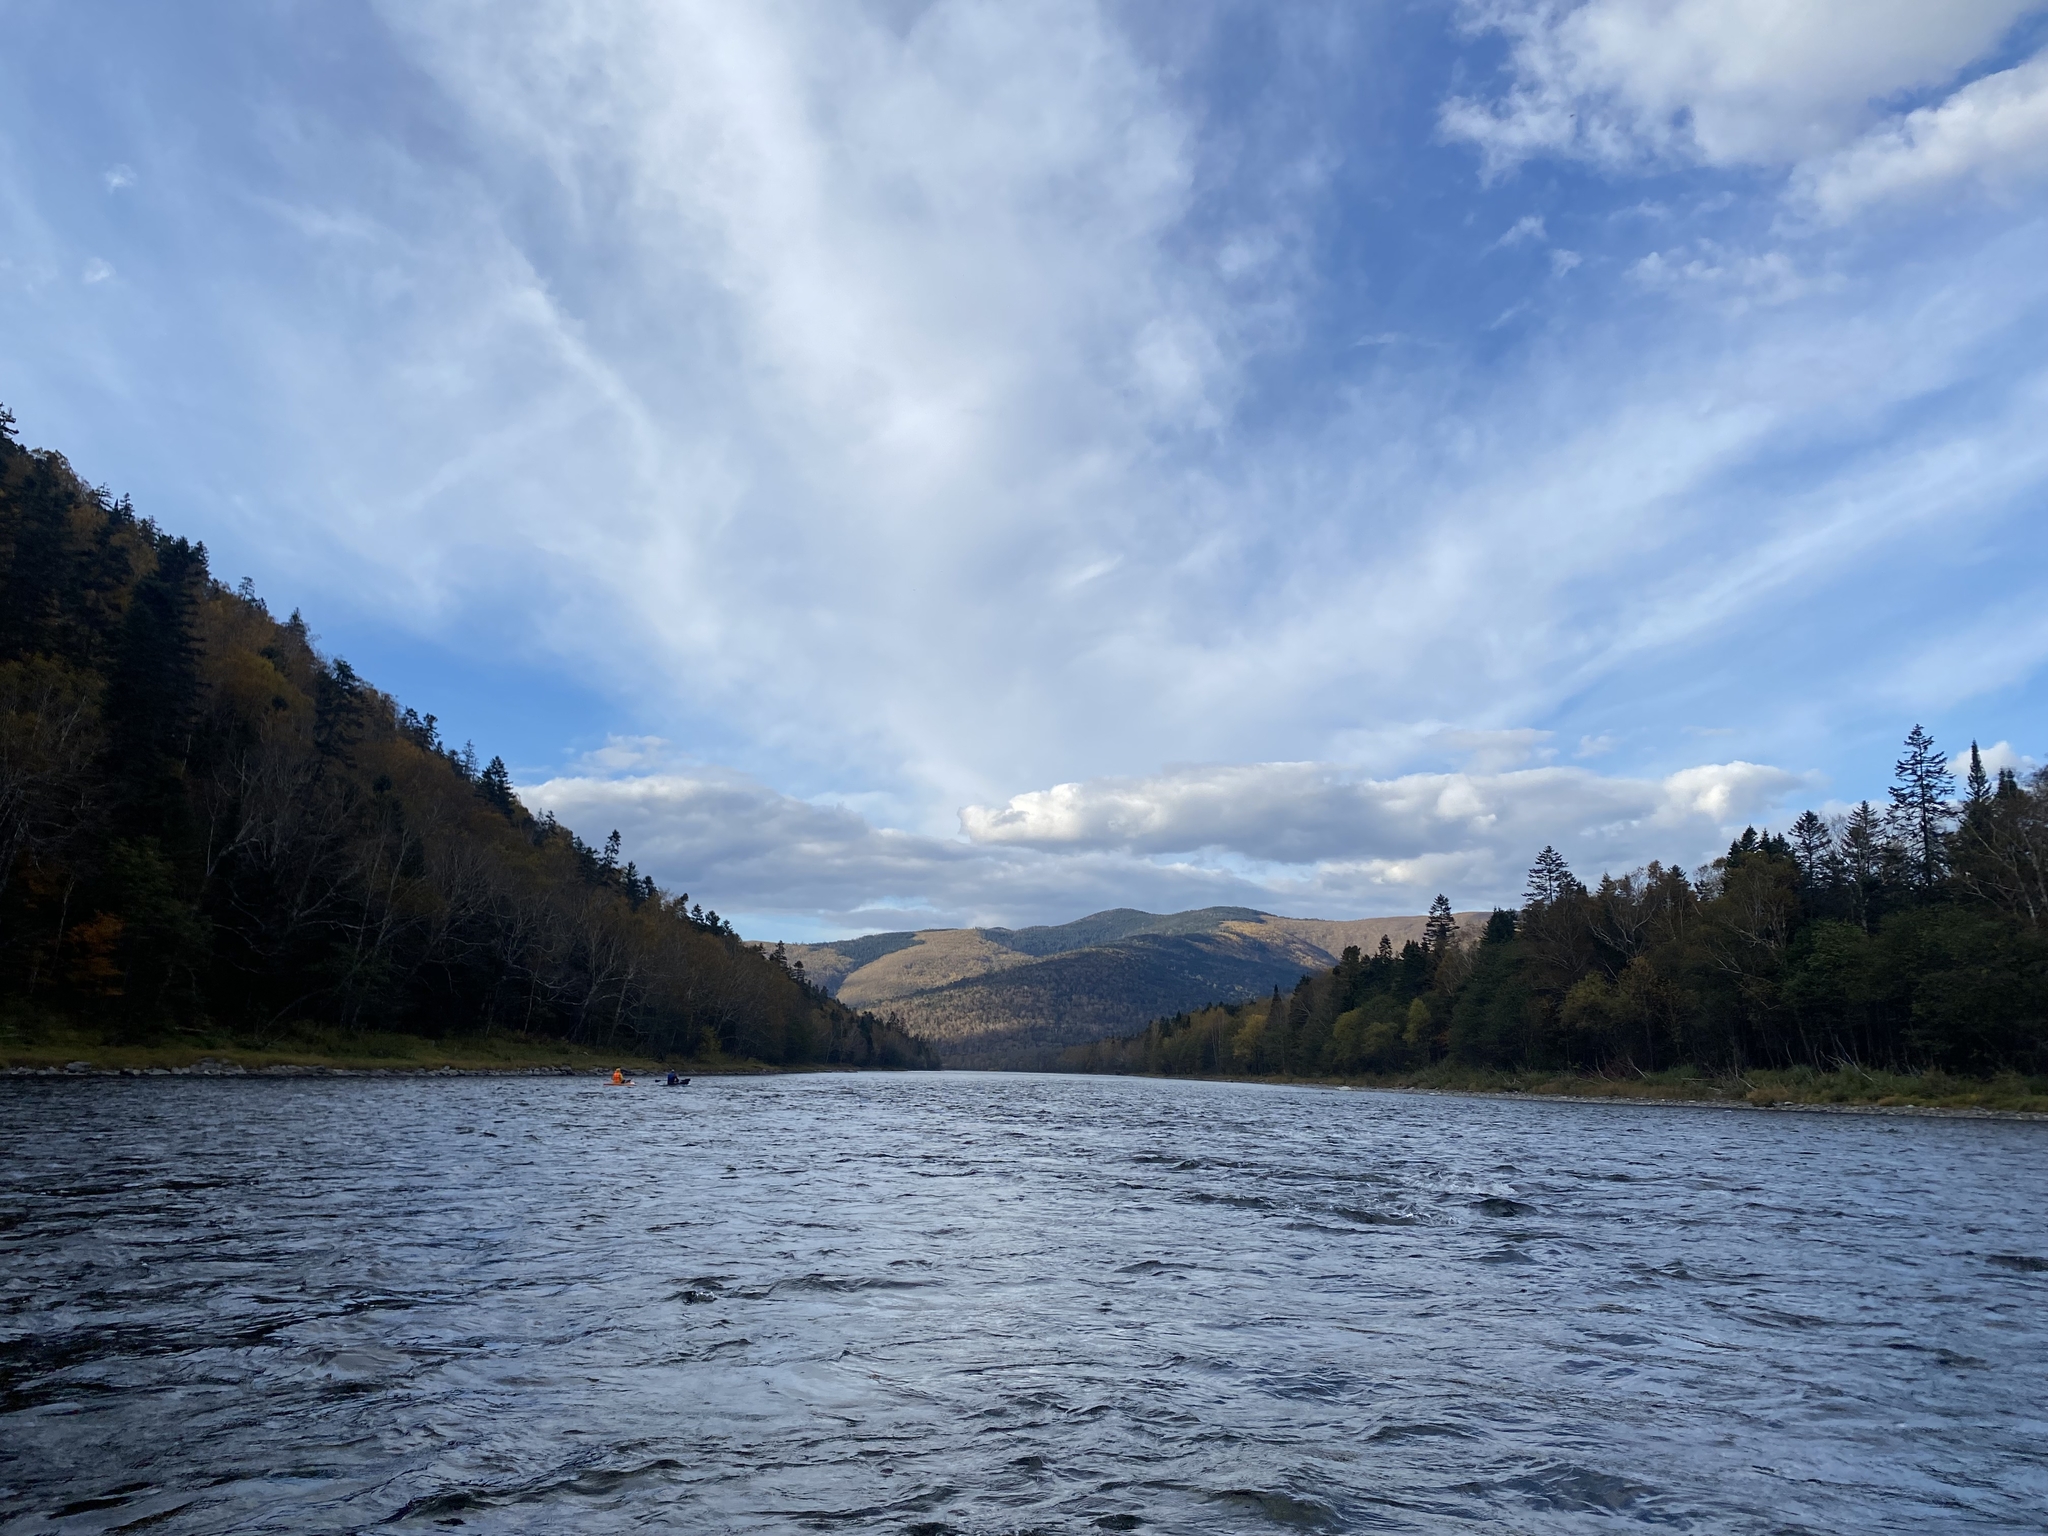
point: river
(980, 1303)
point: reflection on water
(981, 1304)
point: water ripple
(974, 1304)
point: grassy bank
(1844, 1088)
(49, 1043)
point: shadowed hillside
(1001, 997)
(210, 828)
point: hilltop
(1015, 997)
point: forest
(1907, 937)
(208, 824)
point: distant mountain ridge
(1003, 997)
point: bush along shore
(1885, 957)
(212, 830)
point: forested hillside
(205, 822)
(1909, 938)
(1014, 998)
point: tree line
(1907, 936)
(204, 821)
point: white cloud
(118, 177)
(1309, 839)
(1493, 751)
(910, 406)
(1723, 82)
(1527, 227)
(782, 864)
(1992, 133)
(96, 271)
(1995, 757)
(1737, 278)
(1304, 813)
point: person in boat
(619, 1078)
(673, 1080)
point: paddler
(619, 1078)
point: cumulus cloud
(1722, 82)
(1993, 134)
(1310, 838)
(1294, 813)
(796, 868)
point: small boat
(676, 1082)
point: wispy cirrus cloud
(913, 408)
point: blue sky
(922, 464)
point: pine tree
(1920, 808)
(1861, 845)
(1977, 787)
(1441, 930)
(495, 785)
(1813, 849)
(1549, 879)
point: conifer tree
(1861, 846)
(1441, 929)
(494, 784)
(1549, 879)
(1813, 849)
(1920, 807)
(1977, 786)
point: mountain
(1004, 997)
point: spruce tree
(1977, 786)
(1549, 878)
(1813, 849)
(1920, 808)
(1861, 846)
(1442, 928)
(494, 784)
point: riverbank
(60, 1049)
(1844, 1089)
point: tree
(1813, 849)
(1921, 811)
(1441, 930)
(494, 784)
(1977, 786)
(1550, 878)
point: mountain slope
(999, 997)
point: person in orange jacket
(619, 1078)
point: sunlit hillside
(1015, 997)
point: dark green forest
(207, 824)
(1908, 937)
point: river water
(977, 1303)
